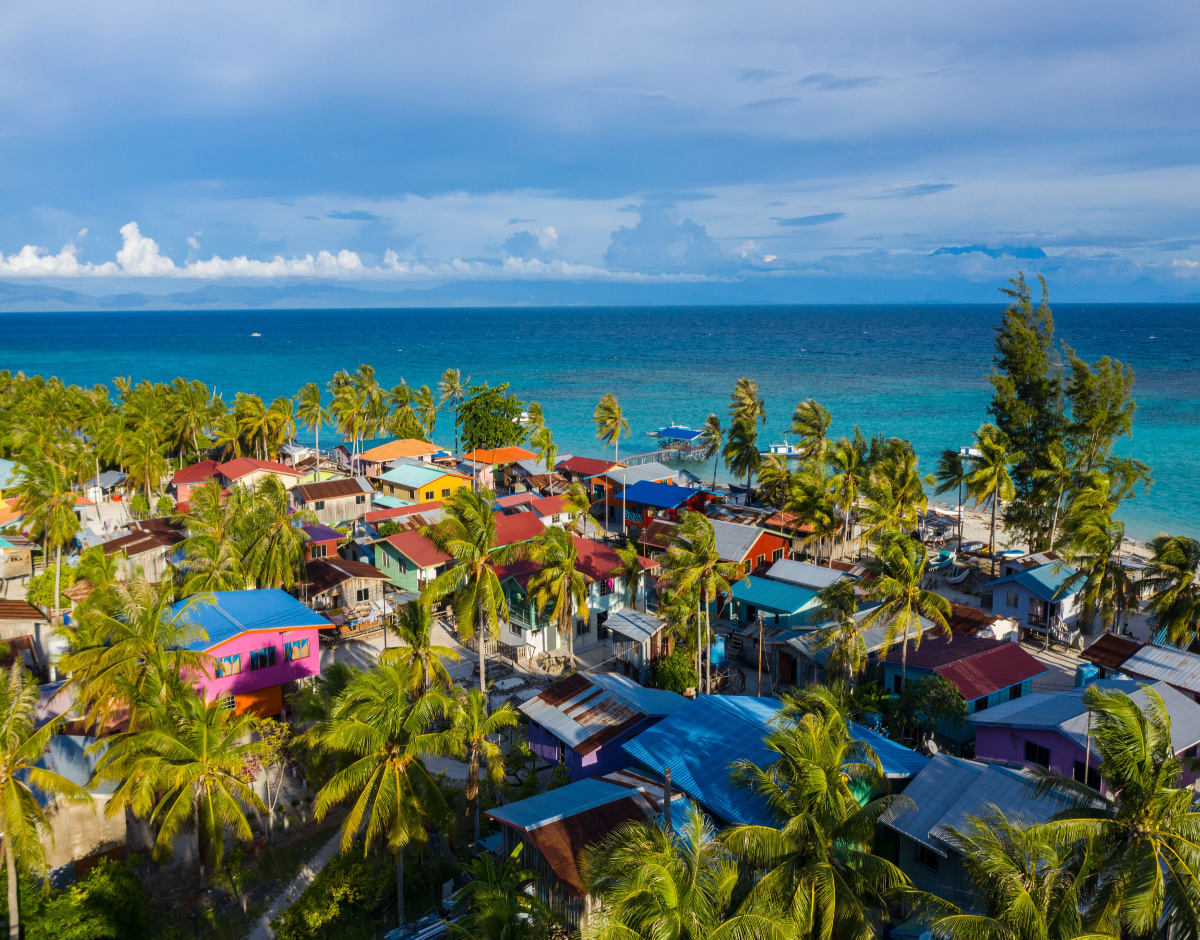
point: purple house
(1049, 729)
(261, 641)
(584, 719)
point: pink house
(262, 641)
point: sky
(848, 148)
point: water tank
(718, 652)
(1086, 673)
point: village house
(1049, 730)
(247, 471)
(944, 794)
(27, 632)
(493, 467)
(1108, 653)
(345, 452)
(603, 485)
(334, 501)
(639, 640)
(1038, 597)
(420, 482)
(645, 501)
(985, 672)
(530, 476)
(1177, 668)
(263, 642)
(152, 546)
(409, 560)
(188, 479)
(749, 546)
(580, 469)
(321, 541)
(16, 560)
(339, 583)
(582, 720)
(372, 463)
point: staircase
(733, 646)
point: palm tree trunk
(995, 557)
(199, 844)
(400, 885)
(1054, 521)
(708, 651)
(14, 903)
(904, 658)
(57, 584)
(482, 661)
(960, 516)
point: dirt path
(292, 892)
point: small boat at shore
(958, 574)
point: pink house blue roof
(231, 613)
(658, 495)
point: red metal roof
(244, 466)
(196, 473)
(549, 505)
(586, 466)
(519, 528)
(418, 549)
(991, 670)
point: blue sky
(385, 145)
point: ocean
(916, 371)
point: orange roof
(499, 455)
(394, 450)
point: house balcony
(1036, 620)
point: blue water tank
(1086, 673)
(718, 652)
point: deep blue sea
(913, 371)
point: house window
(296, 649)
(429, 494)
(1093, 775)
(985, 601)
(896, 683)
(927, 857)
(582, 627)
(777, 554)
(402, 565)
(760, 561)
(362, 594)
(981, 704)
(1036, 754)
(601, 629)
(318, 505)
(1013, 601)
(319, 551)
(229, 666)
(360, 499)
(606, 587)
(261, 659)
(1015, 692)
(445, 492)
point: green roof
(773, 595)
(413, 475)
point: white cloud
(547, 238)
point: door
(787, 668)
(551, 637)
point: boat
(972, 547)
(786, 450)
(958, 574)
(1012, 554)
(944, 560)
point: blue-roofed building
(262, 642)
(700, 743)
(583, 720)
(644, 501)
(782, 604)
(1036, 597)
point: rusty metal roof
(1110, 650)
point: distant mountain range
(40, 297)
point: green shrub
(40, 589)
(109, 904)
(340, 899)
(676, 673)
(139, 503)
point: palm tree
(45, 490)
(426, 410)
(547, 452)
(213, 565)
(673, 886)
(498, 906)
(1145, 833)
(577, 504)
(1104, 586)
(276, 544)
(712, 436)
(253, 420)
(810, 422)
(898, 569)
(23, 821)
(188, 771)
(990, 480)
(742, 455)
(557, 583)
(282, 416)
(746, 405)
(845, 460)
(818, 866)
(1058, 473)
(228, 436)
(311, 414)
(843, 639)
(630, 569)
(953, 473)
(474, 730)
(467, 533)
(692, 562)
(419, 654)
(382, 738)
(130, 644)
(451, 389)
(610, 423)
(190, 413)
(1172, 580)
(348, 410)
(145, 463)
(1029, 889)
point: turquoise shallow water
(914, 371)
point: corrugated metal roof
(1180, 669)
(234, 612)
(659, 495)
(802, 573)
(734, 540)
(1046, 581)
(404, 473)
(108, 478)
(554, 805)
(773, 595)
(627, 476)
(991, 670)
(701, 741)
(1065, 712)
(899, 762)
(586, 710)
(633, 624)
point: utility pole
(667, 798)
(760, 644)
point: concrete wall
(80, 830)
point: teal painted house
(985, 672)
(781, 604)
(409, 560)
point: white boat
(958, 575)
